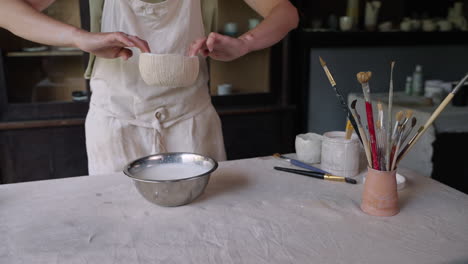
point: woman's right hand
(109, 45)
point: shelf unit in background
(43, 140)
(56, 129)
(249, 74)
(59, 53)
(52, 74)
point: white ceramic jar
(340, 156)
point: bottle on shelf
(409, 85)
(418, 86)
(352, 10)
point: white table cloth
(249, 213)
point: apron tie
(158, 145)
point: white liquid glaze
(171, 171)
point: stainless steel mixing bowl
(171, 192)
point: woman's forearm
(279, 20)
(24, 19)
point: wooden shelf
(364, 38)
(44, 53)
(41, 123)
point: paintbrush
(365, 142)
(395, 135)
(408, 115)
(349, 130)
(408, 131)
(431, 119)
(381, 140)
(344, 105)
(363, 78)
(397, 148)
(389, 116)
(299, 163)
(323, 176)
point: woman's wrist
(247, 40)
(78, 35)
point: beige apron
(129, 119)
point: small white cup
(346, 23)
(405, 26)
(225, 89)
(309, 147)
(428, 25)
(340, 156)
(230, 29)
(385, 26)
(253, 22)
(416, 24)
(444, 25)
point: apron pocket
(152, 11)
(122, 106)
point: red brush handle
(370, 123)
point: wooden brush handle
(373, 142)
(428, 123)
(349, 130)
(365, 142)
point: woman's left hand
(219, 47)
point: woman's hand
(109, 45)
(219, 47)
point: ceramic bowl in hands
(168, 70)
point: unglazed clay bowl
(168, 70)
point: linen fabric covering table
(249, 213)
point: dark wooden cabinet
(41, 124)
(258, 132)
(42, 153)
(40, 141)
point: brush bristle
(409, 113)
(353, 104)
(379, 106)
(393, 64)
(399, 116)
(413, 121)
(349, 180)
(277, 155)
(364, 77)
(322, 62)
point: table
(249, 213)
(451, 120)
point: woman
(127, 118)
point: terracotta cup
(380, 196)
